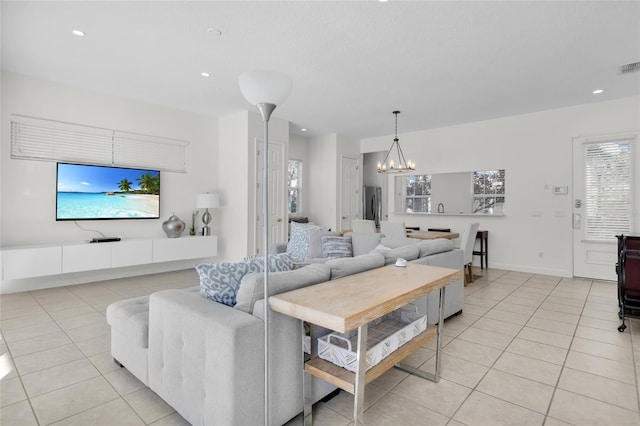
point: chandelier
(402, 165)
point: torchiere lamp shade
(269, 87)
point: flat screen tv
(85, 192)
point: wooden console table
(352, 302)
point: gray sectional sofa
(206, 359)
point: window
(417, 194)
(607, 189)
(294, 175)
(488, 191)
(476, 192)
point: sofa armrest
(206, 359)
(286, 361)
(454, 295)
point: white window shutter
(608, 172)
(149, 152)
(36, 139)
(48, 140)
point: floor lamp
(265, 90)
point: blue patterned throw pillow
(220, 281)
(298, 244)
(277, 262)
(280, 262)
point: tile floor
(528, 349)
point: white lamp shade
(207, 201)
(268, 87)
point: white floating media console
(21, 262)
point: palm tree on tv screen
(149, 184)
(125, 185)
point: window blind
(608, 172)
(48, 140)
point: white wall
(453, 190)
(322, 180)
(325, 159)
(236, 168)
(535, 150)
(234, 181)
(27, 213)
(370, 175)
(348, 147)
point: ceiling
(352, 62)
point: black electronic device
(104, 239)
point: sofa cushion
(336, 247)
(381, 246)
(343, 267)
(315, 243)
(252, 285)
(364, 242)
(298, 245)
(395, 242)
(439, 245)
(220, 281)
(409, 252)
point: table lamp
(207, 201)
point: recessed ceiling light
(205, 74)
(303, 130)
(77, 33)
(598, 91)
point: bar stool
(483, 236)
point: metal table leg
(358, 397)
(307, 379)
(308, 407)
(434, 377)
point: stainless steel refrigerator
(372, 207)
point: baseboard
(530, 269)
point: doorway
(603, 202)
(277, 202)
(348, 192)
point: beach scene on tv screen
(93, 192)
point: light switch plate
(561, 189)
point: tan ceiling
(352, 62)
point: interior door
(277, 202)
(603, 202)
(348, 192)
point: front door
(277, 195)
(348, 192)
(603, 193)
